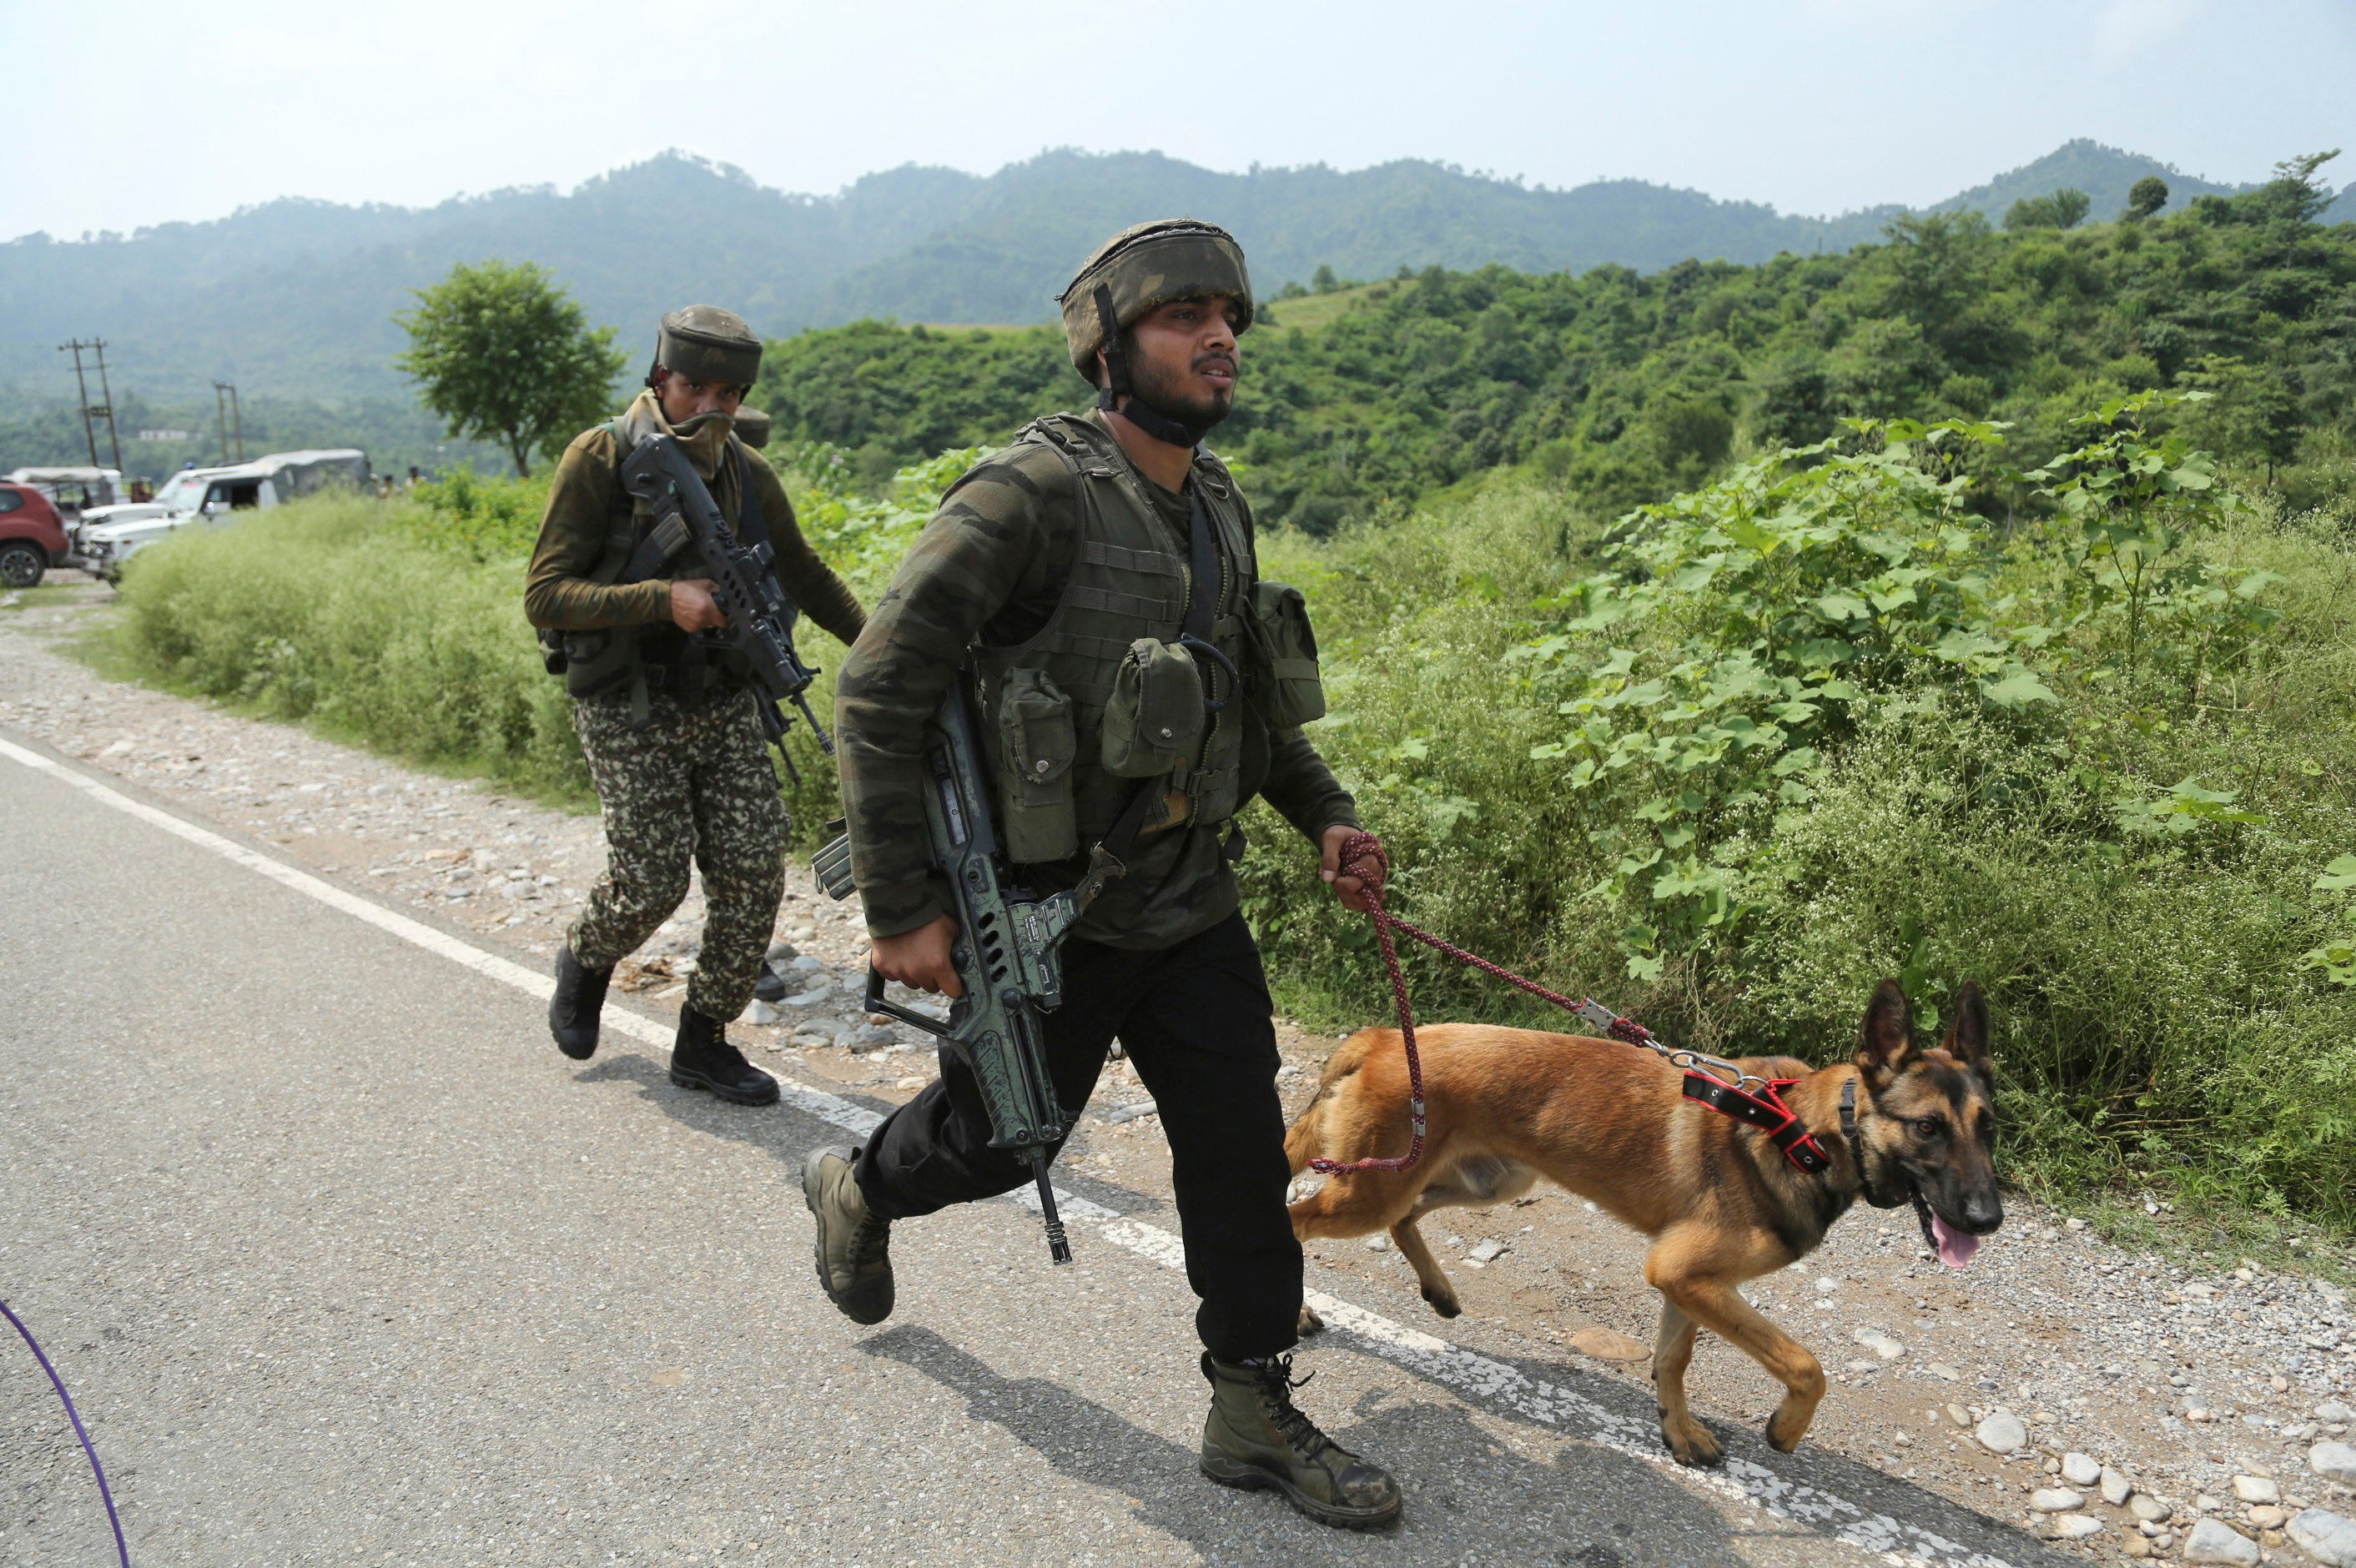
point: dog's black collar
(1865, 1183)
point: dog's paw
(1444, 1302)
(1310, 1322)
(1783, 1432)
(1691, 1444)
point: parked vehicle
(32, 535)
(210, 498)
(72, 491)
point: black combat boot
(1255, 1438)
(572, 1011)
(702, 1058)
(853, 1244)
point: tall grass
(338, 610)
(2161, 1028)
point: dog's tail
(1306, 1139)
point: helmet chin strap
(1117, 385)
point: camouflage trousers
(696, 783)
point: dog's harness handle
(1766, 1111)
(1710, 1081)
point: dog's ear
(1967, 1036)
(1888, 1043)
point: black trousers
(1196, 1020)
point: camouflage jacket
(988, 569)
(559, 593)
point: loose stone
(2213, 1540)
(2077, 1526)
(2329, 1538)
(1879, 1343)
(2257, 1489)
(2055, 1499)
(2002, 1432)
(2116, 1487)
(2081, 1470)
(2332, 1461)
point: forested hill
(1626, 387)
(295, 298)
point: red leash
(1710, 1081)
(1362, 857)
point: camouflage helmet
(704, 342)
(1143, 268)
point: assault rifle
(744, 576)
(1005, 955)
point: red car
(32, 539)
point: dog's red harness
(1710, 1081)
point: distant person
(416, 478)
(1091, 549)
(672, 733)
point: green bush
(1874, 707)
(336, 610)
(1820, 723)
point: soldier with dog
(1137, 683)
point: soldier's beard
(1159, 391)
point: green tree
(2144, 198)
(1322, 279)
(2295, 193)
(503, 354)
(2062, 209)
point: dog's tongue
(1955, 1249)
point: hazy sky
(126, 112)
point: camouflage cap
(1147, 266)
(705, 343)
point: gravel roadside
(2128, 1404)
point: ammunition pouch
(1285, 686)
(1037, 743)
(1154, 721)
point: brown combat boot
(852, 1245)
(1254, 1438)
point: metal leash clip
(1717, 1067)
(1614, 1027)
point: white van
(212, 497)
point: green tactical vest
(1100, 697)
(612, 657)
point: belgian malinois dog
(1608, 1121)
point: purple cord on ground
(75, 1416)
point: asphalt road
(343, 1263)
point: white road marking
(1487, 1380)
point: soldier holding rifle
(1133, 684)
(671, 724)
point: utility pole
(114, 437)
(226, 414)
(81, 388)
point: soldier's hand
(920, 957)
(1351, 890)
(692, 607)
